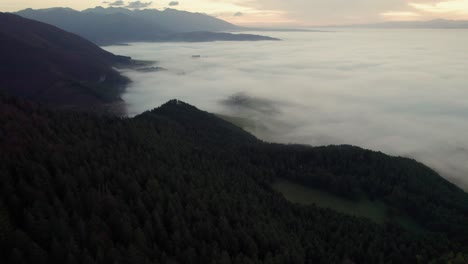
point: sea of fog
(403, 92)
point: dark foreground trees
(178, 185)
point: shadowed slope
(47, 64)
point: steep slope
(178, 185)
(116, 25)
(47, 64)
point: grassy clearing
(377, 211)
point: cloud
(116, 3)
(238, 14)
(401, 15)
(325, 12)
(130, 5)
(326, 88)
(450, 6)
(138, 5)
(330, 11)
(173, 3)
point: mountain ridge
(106, 26)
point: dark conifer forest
(179, 185)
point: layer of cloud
(456, 7)
(173, 3)
(297, 12)
(399, 15)
(401, 92)
(326, 12)
(138, 5)
(238, 14)
(116, 3)
(130, 5)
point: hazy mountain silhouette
(47, 64)
(99, 28)
(436, 24)
(171, 19)
(114, 25)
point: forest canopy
(179, 185)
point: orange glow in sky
(280, 12)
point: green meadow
(377, 211)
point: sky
(281, 12)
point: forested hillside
(44, 63)
(179, 185)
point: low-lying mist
(403, 92)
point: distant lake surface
(403, 92)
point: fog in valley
(402, 92)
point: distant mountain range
(46, 64)
(436, 24)
(117, 25)
(171, 20)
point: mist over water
(402, 92)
